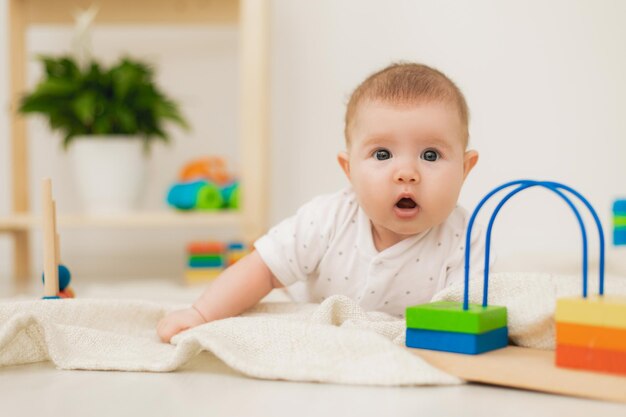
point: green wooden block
(449, 316)
(619, 221)
(207, 257)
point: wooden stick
(57, 238)
(51, 283)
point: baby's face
(407, 164)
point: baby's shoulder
(457, 220)
(455, 226)
(338, 202)
(452, 230)
(337, 207)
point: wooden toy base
(525, 368)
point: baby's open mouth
(406, 203)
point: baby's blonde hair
(408, 83)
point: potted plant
(115, 112)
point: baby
(390, 240)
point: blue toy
(203, 195)
(64, 275)
(457, 342)
(183, 195)
(619, 222)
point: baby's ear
(344, 162)
(469, 161)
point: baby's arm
(237, 289)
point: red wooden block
(602, 360)
(206, 247)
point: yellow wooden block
(595, 310)
(200, 275)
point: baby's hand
(177, 321)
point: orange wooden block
(206, 247)
(67, 293)
(602, 360)
(210, 168)
(573, 334)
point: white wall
(544, 81)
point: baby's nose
(406, 175)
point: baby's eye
(430, 155)
(382, 154)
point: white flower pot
(109, 172)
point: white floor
(207, 387)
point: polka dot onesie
(327, 248)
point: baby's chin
(412, 232)
(408, 230)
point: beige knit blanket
(335, 341)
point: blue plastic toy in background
(204, 184)
(183, 195)
(619, 222)
(203, 195)
(230, 194)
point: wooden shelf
(135, 12)
(252, 20)
(137, 219)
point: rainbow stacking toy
(591, 333)
(208, 259)
(450, 327)
(591, 330)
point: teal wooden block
(619, 207)
(619, 236)
(470, 344)
(449, 316)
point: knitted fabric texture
(335, 341)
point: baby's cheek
(445, 202)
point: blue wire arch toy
(477, 328)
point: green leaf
(127, 119)
(102, 126)
(121, 99)
(36, 104)
(56, 87)
(85, 107)
(124, 78)
(63, 67)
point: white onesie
(327, 248)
